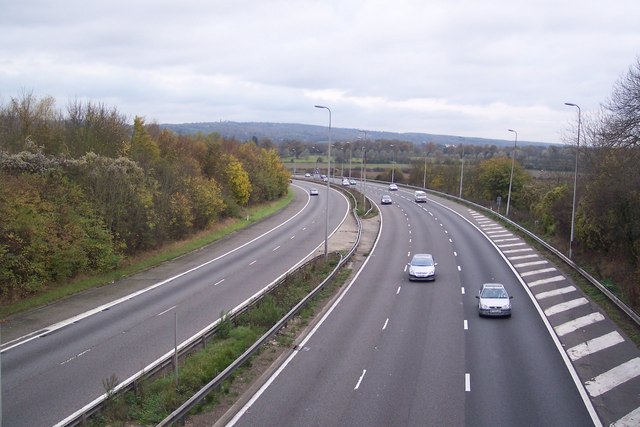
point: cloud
(451, 67)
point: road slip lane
(595, 347)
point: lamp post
(350, 156)
(393, 170)
(424, 177)
(326, 223)
(363, 176)
(461, 171)
(575, 176)
(513, 162)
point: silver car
(493, 300)
(422, 267)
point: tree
(237, 180)
(94, 128)
(28, 120)
(494, 175)
(144, 149)
(622, 123)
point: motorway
(56, 359)
(388, 352)
(393, 352)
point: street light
(513, 162)
(326, 223)
(424, 177)
(350, 155)
(461, 171)
(575, 176)
(363, 175)
(393, 170)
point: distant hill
(279, 132)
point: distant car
(313, 192)
(393, 187)
(324, 178)
(386, 200)
(420, 196)
(493, 300)
(345, 182)
(422, 267)
(307, 175)
(353, 182)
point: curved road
(394, 352)
(60, 366)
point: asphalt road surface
(394, 352)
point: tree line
(81, 190)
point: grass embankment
(149, 259)
(155, 399)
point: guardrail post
(175, 346)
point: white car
(493, 300)
(393, 187)
(386, 200)
(422, 267)
(345, 182)
(313, 192)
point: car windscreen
(494, 293)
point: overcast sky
(466, 68)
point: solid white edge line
(574, 375)
(293, 354)
(467, 382)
